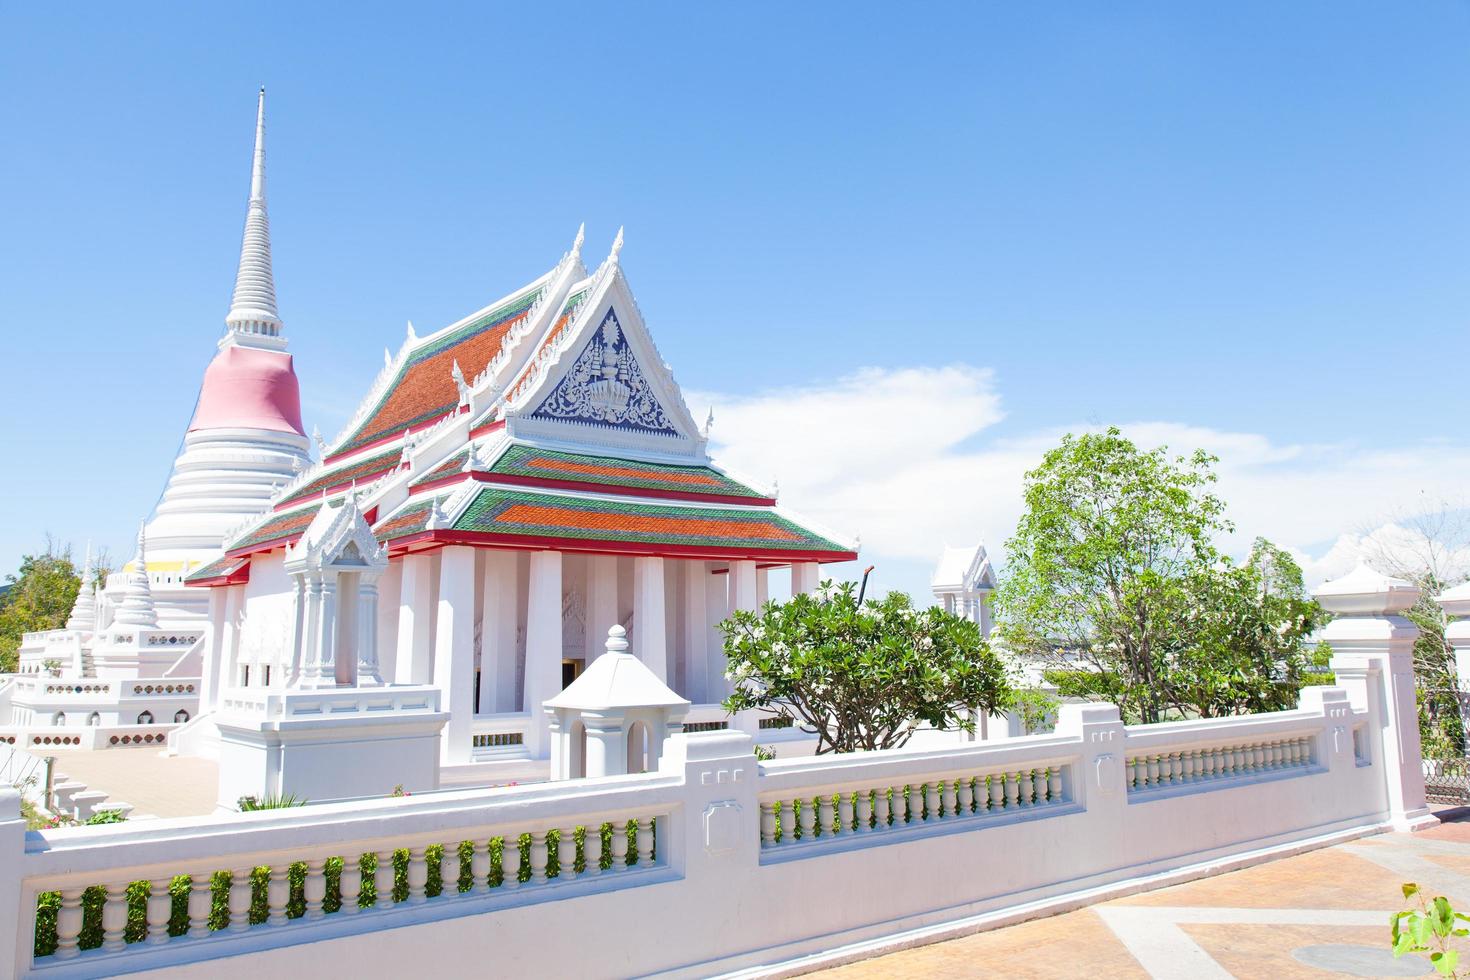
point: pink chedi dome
(249, 388)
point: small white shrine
(614, 718)
(962, 583)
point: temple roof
(423, 387)
(361, 471)
(221, 571)
(515, 518)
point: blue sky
(1239, 225)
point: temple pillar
(602, 599)
(696, 632)
(543, 645)
(454, 652)
(650, 634)
(498, 634)
(415, 642)
(762, 587)
(743, 595)
(367, 673)
(230, 645)
(716, 611)
(607, 753)
(804, 576)
(209, 669)
(389, 584)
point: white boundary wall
(996, 832)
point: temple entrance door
(571, 669)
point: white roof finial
(83, 616)
(253, 319)
(137, 603)
(617, 247)
(581, 237)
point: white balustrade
(1216, 766)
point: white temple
(962, 583)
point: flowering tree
(861, 676)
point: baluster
(965, 796)
(200, 901)
(1259, 753)
(1242, 760)
(1207, 763)
(242, 895)
(159, 909)
(1151, 777)
(479, 868)
(824, 815)
(881, 805)
(566, 854)
(115, 916)
(278, 894)
(1013, 790)
(315, 887)
(900, 806)
(69, 923)
(768, 825)
(931, 801)
(950, 798)
(539, 856)
(844, 812)
(1054, 787)
(645, 841)
(349, 883)
(1038, 786)
(1278, 754)
(619, 846)
(383, 880)
(916, 802)
(510, 858)
(1300, 754)
(1191, 765)
(865, 811)
(1176, 769)
(808, 819)
(997, 781)
(604, 850)
(418, 875)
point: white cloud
(898, 456)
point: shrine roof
(276, 528)
(576, 469)
(219, 572)
(522, 518)
(359, 471)
(423, 388)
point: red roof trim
(514, 479)
(270, 545)
(488, 427)
(239, 576)
(522, 542)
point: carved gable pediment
(606, 384)
(338, 537)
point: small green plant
(52, 666)
(106, 817)
(271, 801)
(1429, 926)
(764, 753)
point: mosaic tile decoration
(495, 511)
(363, 472)
(218, 568)
(610, 471)
(424, 388)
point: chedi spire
(137, 603)
(83, 616)
(253, 319)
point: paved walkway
(163, 786)
(1323, 915)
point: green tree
(40, 597)
(861, 676)
(1249, 646)
(1103, 566)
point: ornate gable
(606, 384)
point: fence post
(14, 949)
(1373, 658)
(718, 829)
(1100, 782)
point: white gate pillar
(543, 645)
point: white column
(498, 635)
(762, 587)
(696, 632)
(1373, 658)
(367, 634)
(230, 647)
(743, 595)
(321, 648)
(982, 610)
(414, 612)
(454, 652)
(543, 644)
(650, 641)
(389, 584)
(716, 611)
(743, 579)
(607, 753)
(804, 576)
(209, 668)
(602, 601)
